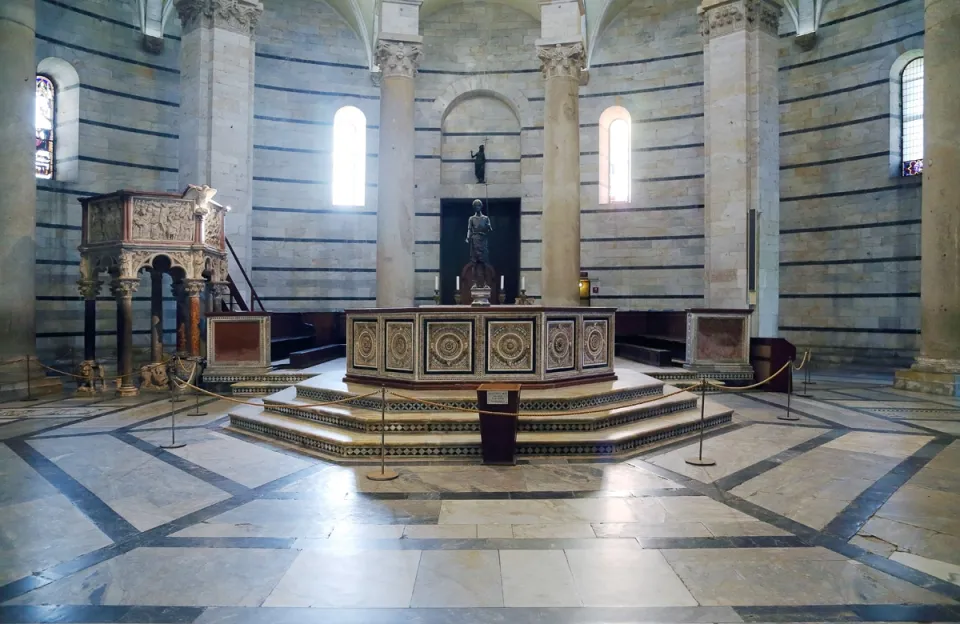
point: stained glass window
(45, 106)
(911, 120)
(349, 156)
(620, 161)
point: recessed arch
(615, 145)
(349, 157)
(897, 120)
(66, 116)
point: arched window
(349, 157)
(615, 155)
(911, 118)
(46, 105)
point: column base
(128, 391)
(920, 379)
(13, 380)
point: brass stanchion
(788, 415)
(196, 408)
(700, 460)
(384, 474)
(807, 379)
(173, 426)
(29, 396)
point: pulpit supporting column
(156, 316)
(192, 290)
(178, 293)
(123, 290)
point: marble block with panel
(718, 342)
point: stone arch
(484, 86)
(66, 115)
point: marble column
(192, 290)
(561, 64)
(742, 164)
(123, 290)
(398, 62)
(937, 368)
(89, 289)
(216, 110)
(156, 316)
(181, 324)
(18, 193)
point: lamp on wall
(584, 289)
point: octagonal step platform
(595, 420)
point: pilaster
(742, 163)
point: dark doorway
(504, 243)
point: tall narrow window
(349, 156)
(46, 104)
(615, 149)
(911, 117)
(620, 161)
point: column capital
(193, 287)
(400, 59)
(89, 289)
(561, 60)
(722, 17)
(239, 16)
(124, 288)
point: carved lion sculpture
(154, 377)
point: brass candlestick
(502, 297)
(456, 298)
(436, 296)
(523, 299)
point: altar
(464, 346)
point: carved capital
(400, 59)
(219, 290)
(89, 288)
(562, 60)
(124, 288)
(239, 16)
(193, 288)
(724, 18)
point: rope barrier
(75, 376)
(750, 387)
(303, 404)
(803, 362)
(17, 361)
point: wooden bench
(317, 355)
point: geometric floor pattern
(851, 513)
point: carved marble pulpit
(126, 232)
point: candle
(436, 282)
(458, 282)
(501, 282)
(523, 283)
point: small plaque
(496, 397)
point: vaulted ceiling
(361, 15)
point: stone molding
(937, 365)
(732, 16)
(124, 288)
(239, 16)
(562, 60)
(398, 59)
(194, 287)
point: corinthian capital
(398, 58)
(722, 17)
(124, 288)
(89, 288)
(239, 16)
(561, 60)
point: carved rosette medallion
(365, 339)
(510, 346)
(398, 59)
(560, 346)
(595, 343)
(105, 221)
(449, 347)
(562, 60)
(157, 219)
(399, 351)
(239, 16)
(723, 19)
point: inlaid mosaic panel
(595, 346)
(511, 346)
(365, 340)
(561, 352)
(449, 347)
(399, 346)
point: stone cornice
(239, 16)
(561, 60)
(728, 16)
(398, 59)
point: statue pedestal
(480, 274)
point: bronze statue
(478, 229)
(479, 165)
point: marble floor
(851, 513)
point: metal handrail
(253, 291)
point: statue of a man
(478, 229)
(479, 165)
